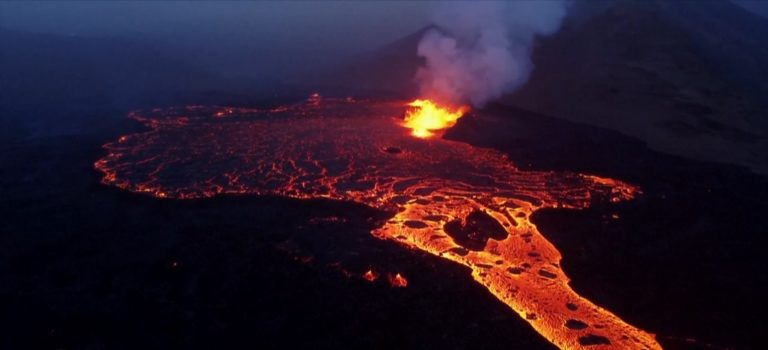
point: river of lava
(463, 203)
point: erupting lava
(466, 204)
(426, 117)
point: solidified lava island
(466, 204)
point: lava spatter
(463, 203)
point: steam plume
(481, 50)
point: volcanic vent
(466, 204)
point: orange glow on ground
(370, 276)
(398, 281)
(425, 117)
(466, 204)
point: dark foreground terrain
(84, 266)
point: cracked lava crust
(463, 203)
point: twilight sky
(234, 34)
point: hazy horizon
(230, 36)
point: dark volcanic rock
(393, 150)
(475, 231)
(575, 324)
(547, 274)
(460, 251)
(415, 224)
(592, 339)
(226, 272)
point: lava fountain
(425, 117)
(467, 204)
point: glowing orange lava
(398, 281)
(370, 276)
(426, 117)
(467, 204)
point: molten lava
(466, 204)
(370, 276)
(426, 117)
(397, 281)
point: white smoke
(482, 49)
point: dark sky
(353, 25)
(233, 35)
(350, 23)
(759, 7)
(360, 21)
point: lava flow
(463, 203)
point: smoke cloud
(482, 50)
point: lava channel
(463, 203)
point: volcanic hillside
(655, 70)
